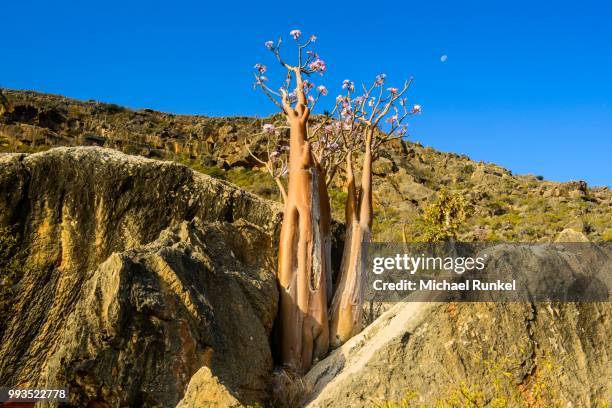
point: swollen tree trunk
(303, 267)
(347, 305)
(326, 229)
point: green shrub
(444, 217)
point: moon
(443, 58)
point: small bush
(444, 217)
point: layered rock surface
(138, 274)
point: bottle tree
(360, 118)
(312, 314)
(304, 270)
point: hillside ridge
(409, 175)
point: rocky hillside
(138, 282)
(507, 207)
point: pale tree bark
(326, 229)
(303, 267)
(347, 305)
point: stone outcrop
(476, 354)
(139, 273)
(205, 390)
(571, 235)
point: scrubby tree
(445, 216)
(311, 312)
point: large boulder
(434, 353)
(138, 274)
(478, 354)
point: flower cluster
(296, 34)
(307, 85)
(393, 91)
(326, 141)
(392, 119)
(259, 75)
(401, 130)
(318, 65)
(380, 79)
(270, 129)
(276, 153)
(348, 85)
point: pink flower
(269, 45)
(339, 98)
(318, 65)
(401, 131)
(333, 146)
(346, 112)
(269, 128)
(310, 99)
(347, 84)
(307, 84)
(416, 109)
(380, 79)
(313, 38)
(322, 90)
(391, 119)
(260, 68)
(392, 90)
(295, 34)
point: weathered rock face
(139, 273)
(474, 354)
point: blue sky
(527, 84)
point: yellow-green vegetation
(11, 270)
(445, 216)
(499, 388)
(257, 182)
